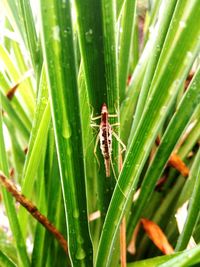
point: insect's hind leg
(95, 149)
(120, 141)
(115, 176)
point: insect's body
(105, 135)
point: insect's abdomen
(106, 141)
(106, 145)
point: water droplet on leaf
(80, 254)
(89, 36)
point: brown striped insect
(105, 138)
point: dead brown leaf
(176, 162)
(10, 94)
(155, 233)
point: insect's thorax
(104, 118)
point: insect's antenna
(114, 173)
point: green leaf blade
(58, 49)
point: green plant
(60, 62)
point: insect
(105, 137)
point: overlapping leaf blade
(168, 71)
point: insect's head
(104, 109)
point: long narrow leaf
(5, 261)
(161, 29)
(126, 38)
(36, 146)
(58, 49)
(193, 210)
(184, 259)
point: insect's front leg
(94, 118)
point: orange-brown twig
(131, 245)
(122, 231)
(30, 207)
(123, 242)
